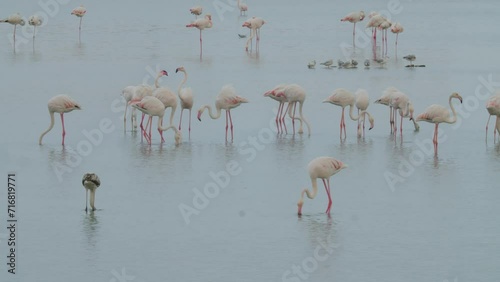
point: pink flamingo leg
(328, 192)
(180, 121)
(189, 128)
(396, 45)
(63, 130)
(201, 46)
(435, 140)
(231, 122)
(487, 129)
(401, 126)
(283, 117)
(353, 35)
(227, 114)
(293, 117)
(391, 119)
(395, 123)
(278, 117)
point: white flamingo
(60, 104)
(34, 21)
(295, 93)
(91, 182)
(186, 97)
(243, 8)
(79, 12)
(14, 19)
(254, 24)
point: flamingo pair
(343, 98)
(254, 24)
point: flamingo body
(60, 104)
(90, 182)
(294, 94)
(186, 97)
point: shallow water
(399, 213)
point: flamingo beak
(199, 116)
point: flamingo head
(180, 69)
(208, 16)
(200, 111)
(299, 206)
(372, 123)
(163, 72)
(456, 95)
(178, 137)
(362, 15)
(247, 24)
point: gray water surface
(399, 213)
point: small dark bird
(367, 63)
(311, 64)
(242, 35)
(410, 58)
(91, 182)
(327, 64)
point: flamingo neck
(182, 83)
(92, 198)
(454, 117)
(351, 110)
(49, 129)
(309, 194)
(157, 84)
(304, 119)
(216, 116)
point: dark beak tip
(199, 119)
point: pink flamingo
(243, 8)
(59, 104)
(400, 102)
(397, 28)
(152, 106)
(186, 97)
(362, 102)
(324, 168)
(254, 24)
(375, 21)
(354, 17)
(384, 26)
(280, 115)
(226, 100)
(14, 19)
(343, 98)
(201, 24)
(493, 108)
(79, 12)
(169, 100)
(437, 114)
(294, 94)
(196, 10)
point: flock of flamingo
(154, 100)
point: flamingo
(437, 114)
(243, 8)
(362, 102)
(186, 97)
(169, 100)
(59, 104)
(201, 24)
(134, 94)
(90, 181)
(385, 99)
(354, 17)
(343, 98)
(254, 24)
(324, 168)
(397, 28)
(226, 100)
(152, 106)
(196, 10)
(400, 102)
(14, 19)
(375, 21)
(294, 94)
(386, 24)
(493, 108)
(34, 21)
(79, 12)
(280, 115)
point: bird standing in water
(91, 182)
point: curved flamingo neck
(157, 85)
(49, 129)
(216, 116)
(351, 115)
(182, 83)
(454, 118)
(311, 195)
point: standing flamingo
(186, 97)
(90, 181)
(493, 108)
(254, 24)
(59, 104)
(14, 19)
(280, 115)
(152, 106)
(400, 102)
(79, 12)
(243, 8)
(385, 99)
(201, 24)
(34, 21)
(324, 168)
(226, 100)
(437, 114)
(362, 102)
(294, 94)
(384, 26)
(397, 28)
(169, 100)
(196, 10)
(343, 98)
(354, 17)
(375, 21)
